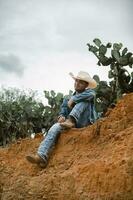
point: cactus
(21, 114)
(118, 59)
(103, 96)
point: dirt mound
(89, 163)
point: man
(78, 111)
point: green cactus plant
(118, 59)
(103, 97)
(21, 114)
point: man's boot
(37, 160)
(69, 123)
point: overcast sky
(41, 41)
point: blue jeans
(81, 114)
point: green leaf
(116, 55)
(128, 55)
(102, 50)
(97, 42)
(99, 63)
(117, 46)
(105, 60)
(130, 65)
(96, 78)
(109, 45)
(93, 49)
(52, 93)
(124, 51)
(0, 108)
(123, 61)
(131, 60)
(110, 74)
(112, 66)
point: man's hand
(70, 103)
(61, 119)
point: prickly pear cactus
(103, 96)
(117, 58)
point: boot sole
(33, 161)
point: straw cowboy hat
(84, 76)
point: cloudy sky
(41, 41)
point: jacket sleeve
(87, 95)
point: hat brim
(91, 82)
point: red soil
(89, 163)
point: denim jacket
(87, 95)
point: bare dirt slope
(90, 163)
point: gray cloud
(49, 33)
(36, 26)
(11, 64)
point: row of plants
(22, 114)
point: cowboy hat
(84, 76)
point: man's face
(80, 85)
